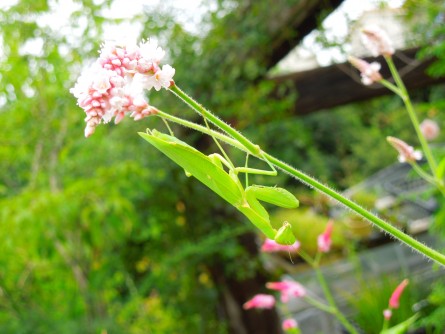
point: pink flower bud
(270, 246)
(395, 297)
(260, 301)
(324, 240)
(429, 129)
(289, 324)
(387, 314)
(288, 289)
(377, 41)
(406, 152)
(369, 72)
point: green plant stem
(403, 93)
(331, 301)
(385, 324)
(396, 233)
(308, 180)
(427, 177)
(319, 305)
(201, 129)
(390, 86)
(252, 148)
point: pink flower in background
(395, 297)
(369, 72)
(406, 152)
(324, 240)
(270, 246)
(429, 129)
(260, 301)
(289, 324)
(387, 314)
(377, 41)
(288, 289)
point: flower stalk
(403, 93)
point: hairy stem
(331, 301)
(255, 150)
(403, 93)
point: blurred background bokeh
(106, 235)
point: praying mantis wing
(197, 164)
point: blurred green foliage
(434, 311)
(372, 298)
(106, 234)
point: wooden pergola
(284, 25)
(327, 87)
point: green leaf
(402, 327)
(273, 195)
(197, 164)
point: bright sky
(190, 13)
(336, 25)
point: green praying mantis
(210, 171)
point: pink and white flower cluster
(370, 72)
(113, 86)
(406, 152)
(377, 41)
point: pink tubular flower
(260, 301)
(395, 297)
(377, 41)
(113, 86)
(406, 152)
(429, 129)
(288, 289)
(369, 72)
(270, 246)
(289, 324)
(324, 240)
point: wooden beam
(331, 86)
(295, 23)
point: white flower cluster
(113, 86)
